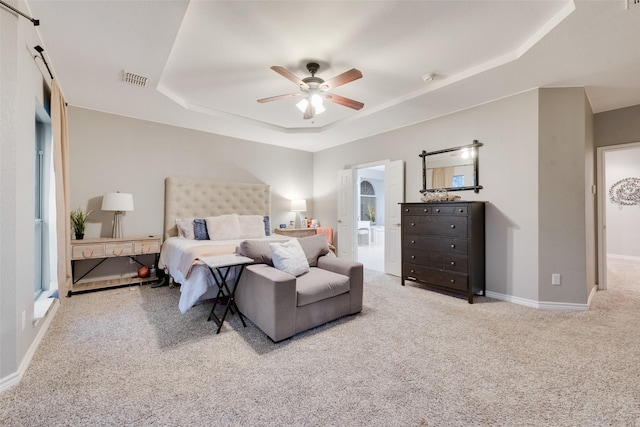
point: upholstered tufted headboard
(200, 198)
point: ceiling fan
(315, 90)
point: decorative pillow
(267, 225)
(252, 226)
(200, 229)
(224, 227)
(258, 250)
(289, 257)
(185, 228)
(314, 247)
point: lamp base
(117, 231)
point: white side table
(220, 265)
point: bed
(187, 198)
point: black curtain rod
(40, 50)
(36, 22)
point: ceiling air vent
(135, 79)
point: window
(367, 202)
(42, 169)
(457, 181)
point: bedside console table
(103, 248)
(296, 232)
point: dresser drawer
(89, 251)
(456, 281)
(435, 210)
(118, 249)
(445, 225)
(437, 244)
(150, 247)
(439, 260)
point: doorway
(354, 215)
(618, 212)
(370, 196)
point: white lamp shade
(117, 202)
(298, 205)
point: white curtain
(61, 170)
(442, 177)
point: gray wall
(565, 180)
(114, 153)
(617, 126)
(508, 171)
(20, 91)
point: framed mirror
(451, 169)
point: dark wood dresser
(443, 246)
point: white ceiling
(209, 61)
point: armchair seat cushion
(318, 285)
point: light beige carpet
(412, 357)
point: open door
(394, 194)
(346, 202)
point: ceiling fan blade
(344, 78)
(278, 97)
(289, 75)
(309, 112)
(347, 102)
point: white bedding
(199, 285)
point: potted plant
(78, 221)
(372, 215)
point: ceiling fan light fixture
(316, 101)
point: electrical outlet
(555, 279)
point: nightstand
(103, 248)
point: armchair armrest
(354, 271)
(267, 296)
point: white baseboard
(15, 377)
(625, 257)
(538, 304)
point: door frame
(602, 211)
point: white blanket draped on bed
(195, 279)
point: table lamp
(298, 206)
(118, 202)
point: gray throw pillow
(258, 250)
(314, 247)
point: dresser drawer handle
(413, 271)
(460, 210)
(406, 210)
(84, 254)
(453, 263)
(453, 226)
(453, 246)
(426, 210)
(413, 242)
(453, 280)
(413, 224)
(118, 252)
(437, 210)
(413, 257)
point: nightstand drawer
(147, 247)
(118, 249)
(87, 251)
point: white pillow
(185, 228)
(289, 257)
(223, 227)
(252, 226)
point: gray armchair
(282, 305)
